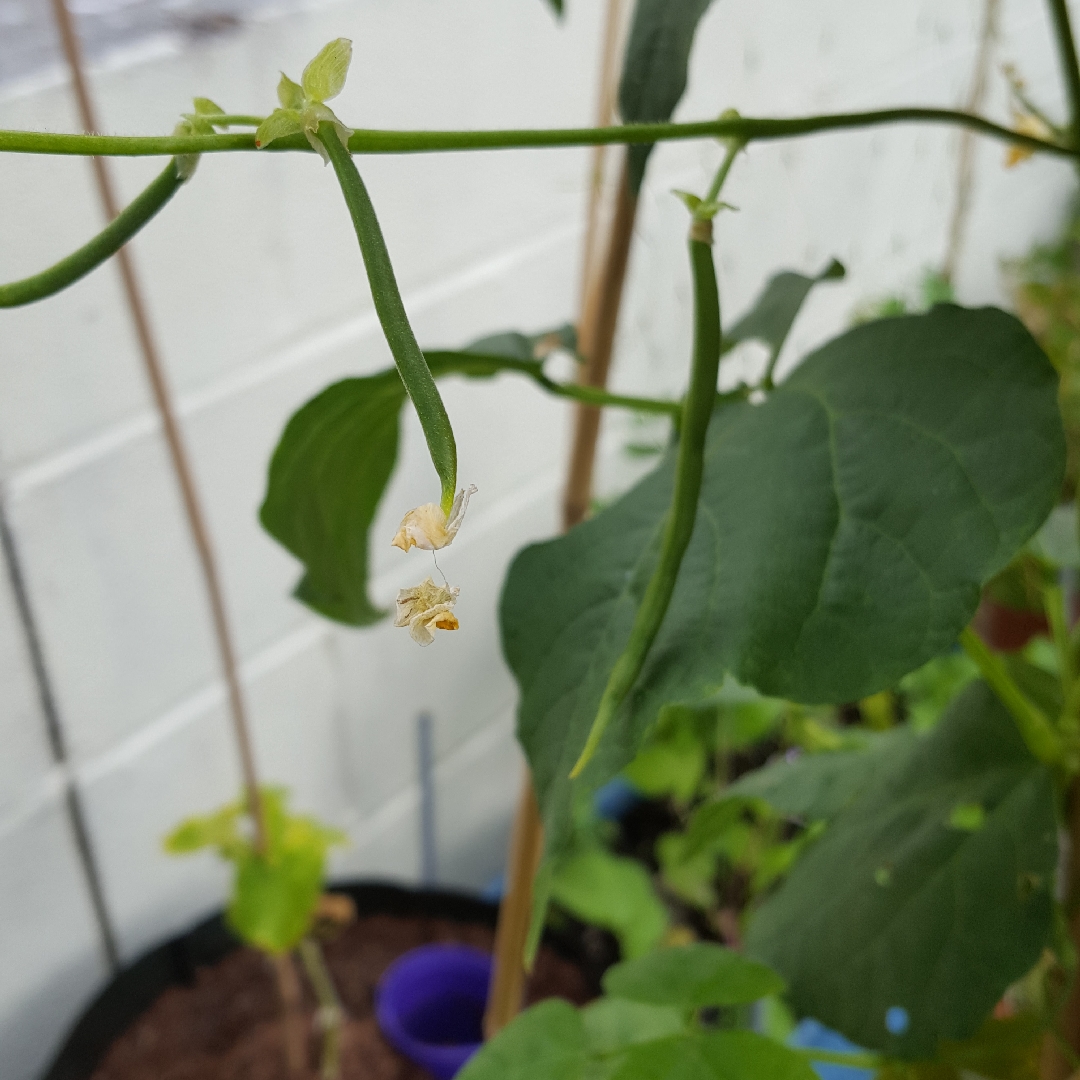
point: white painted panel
(112, 576)
(26, 758)
(52, 963)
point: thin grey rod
(57, 743)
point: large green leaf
(655, 67)
(931, 892)
(817, 786)
(721, 1055)
(546, 1042)
(331, 466)
(693, 976)
(845, 528)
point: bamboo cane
(602, 288)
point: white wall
(257, 294)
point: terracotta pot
(1007, 629)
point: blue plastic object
(615, 798)
(811, 1034)
(430, 1005)
(897, 1020)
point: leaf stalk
(1038, 733)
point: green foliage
(816, 787)
(928, 690)
(303, 105)
(615, 893)
(891, 475)
(274, 893)
(773, 313)
(692, 977)
(721, 1055)
(674, 760)
(616, 1040)
(901, 904)
(1046, 286)
(655, 67)
(325, 481)
(612, 1024)
(330, 469)
(546, 1042)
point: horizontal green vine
(748, 129)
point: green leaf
(817, 786)
(546, 1042)
(274, 896)
(846, 526)
(896, 907)
(326, 478)
(205, 107)
(277, 125)
(615, 893)
(328, 474)
(721, 1055)
(773, 313)
(324, 77)
(655, 67)
(613, 1024)
(671, 764)
(218, 829)
(692, 976)
(290, 94)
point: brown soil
(225, 1025)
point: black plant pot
(175, 962)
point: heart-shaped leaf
(845, 528)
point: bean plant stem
(411, 365)
(1070, 66)
(589, 395)
(293, 1025)
(331, 1012)
(750, 129)
(679, 523)
(92, 254)
(1037, 731)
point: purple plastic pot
(430, 1005)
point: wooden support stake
(601, 297)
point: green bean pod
(679, 523)
(411, 365)
(92, 254)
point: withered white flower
(425, 609)
(1026, 124)
(429, 528)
